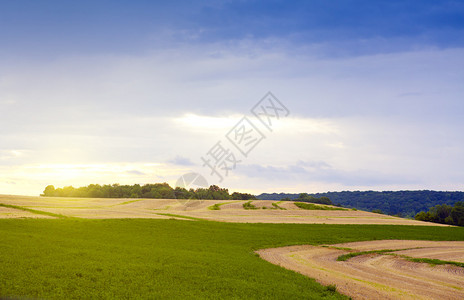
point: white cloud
(194, 122)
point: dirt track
(375, 276)
(230, 210)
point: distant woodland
(401, 203)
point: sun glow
(32, 179)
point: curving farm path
(379, 276)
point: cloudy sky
(139, 91)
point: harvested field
(375, 275)
(229, 210)
(12, 213)
(301, 216)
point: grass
(430, 261)
(217, 206)
(128, 202)
(248, 205)
(310, 206)
(34, 211)
(175, 259)
(332, 287)
(276, 205)
(433, 262)
(347, 256)
(180, 216)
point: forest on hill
(402, 203)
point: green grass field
(140, 258)
(311, 206)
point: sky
(143, 91)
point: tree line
(444, 214)
(304, 197)
(401, 203)
(154, 191)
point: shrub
(332, 288)
(215, 207)
(310, 206)
(248, 205)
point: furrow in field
(378, 276)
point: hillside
(240, 211)
(403, 203)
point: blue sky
(138, 91)
(52, 28)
